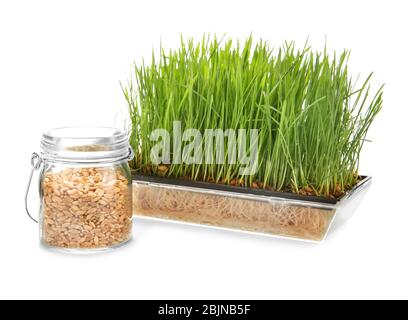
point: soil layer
(264, 216)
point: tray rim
(364, 180)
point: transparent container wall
(347, 207)
(299, 219)
(253, 213)
(85, 206)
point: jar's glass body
(85, 206)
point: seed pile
(86, 208)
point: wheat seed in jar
(85, 188)
(86, 208)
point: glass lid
(85, 144)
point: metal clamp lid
(36, 162)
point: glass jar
(85, 188)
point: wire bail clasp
(36, 162)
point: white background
(61, 63)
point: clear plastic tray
(241, 209)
